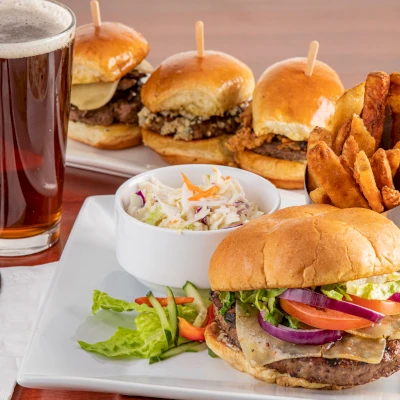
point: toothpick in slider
(95, 7)
(200, 38)
(312, 56)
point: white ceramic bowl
(160, 257)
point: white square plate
(54, 360)
(126, 162)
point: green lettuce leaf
(266, 300)
(146, 341)
(373, 291)
(335, 291)
(102, 300)
(227, 299)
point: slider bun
(289, 103)
(113, 137)
(107, 53)
(203, 151)
(205, 86)
(306, 246)
(284, 174)
(237, 360)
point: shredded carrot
(189, 184)
(206, 193)
(214, 169)
(226, 178)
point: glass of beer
(36, 46)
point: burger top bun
(106, 53)
(287, 102)
(306, 246)
(203, 86)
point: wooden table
(356, 36)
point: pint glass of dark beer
(36, 46)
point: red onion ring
(311, 298)
(299, 336)
(395, 297)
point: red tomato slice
(386, 307)
(323, 318)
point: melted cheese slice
(145, 67)
(389, 327)
(260, 348)
(356, 348)
(92, 95)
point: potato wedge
(316, 135)
(349, 103)
(338, 184)
(341, 137)
(346, 165)
(393, 157)
(363, 138)
(350, 150)
(391, 197)
(319, 196)
(394, 104)
(365, 178)
(382, 171)
(375, 100)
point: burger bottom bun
(283, 174)
(202, 151)
(237, 360)
(113, 137)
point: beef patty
(292, 151)
(335, 372)
(185, 126)
(123, 107)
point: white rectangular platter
(54, 360)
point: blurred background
(355, 36)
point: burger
(109, 70)
(287, 104)
(309, 297)
(192, 106)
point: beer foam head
(33, 27)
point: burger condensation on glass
(286, 106)
(309, 296)
(109, 70)
(192, 106)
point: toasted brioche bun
(289, 103)
(203, 86)
(235, 357)
(113, 137)
(283, 174)
(306, 246)
(203, 151)
(106, 53)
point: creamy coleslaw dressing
(217, 204)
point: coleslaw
(219, 203)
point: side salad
(165, 327)
(217, 204)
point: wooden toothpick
(200, 38)
(95, 7)
(312, 56)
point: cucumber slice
(200, 347)
(163, 318)
(198, 304)
(174, 351)
(173, 316)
